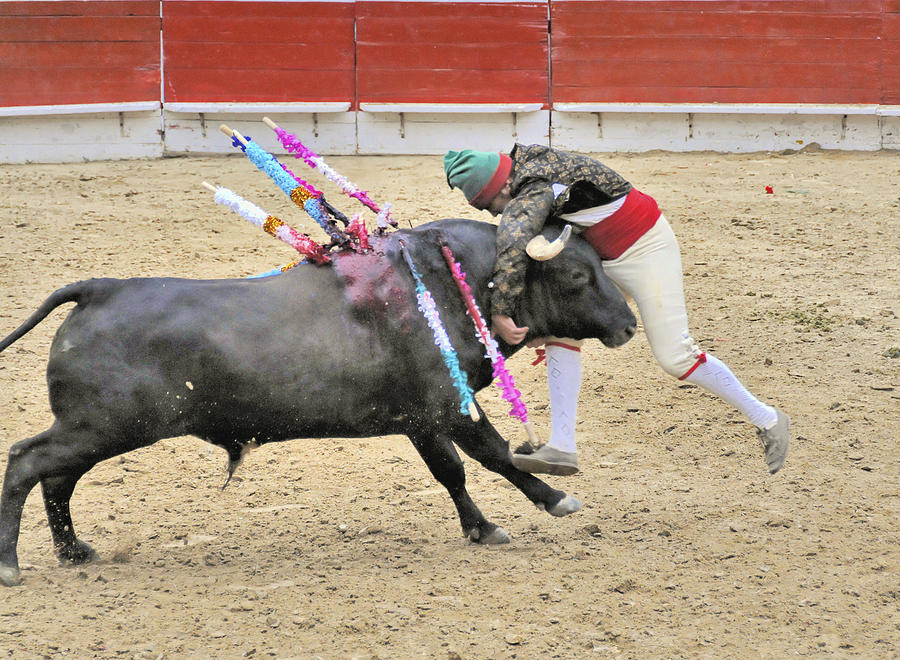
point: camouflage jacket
(583, 183)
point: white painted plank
(77, 109)
(390, 133)
(721, 108)
(450, 108)
(330, 133)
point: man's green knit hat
(479, 174)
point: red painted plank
(701, 25)
(466, 56)
(80, 8)
(777, 52)
(468, 29)
(79, 28)
(72, 55)
(443, 52)
(67, 86)
(723, 6)
(191, 8)
(221, 52)
(238, 85)
(601, 49)
(264, 32)
(403, 11)
(295, 57)
(717, 74)
(891, 93)
(890, 29)
(452, 86)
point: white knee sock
(715, 376)
(564, 381)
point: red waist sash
(612, 236)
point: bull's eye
(573, 281)
(579, 277)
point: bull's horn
(540, 249)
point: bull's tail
(78, 292)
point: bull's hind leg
(57, 495)
(444, 463)
(483, 443)
(57, 458)
(20, 479)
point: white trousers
(650, 273)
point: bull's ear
(540, 249)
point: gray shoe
(776, 441)
(547, 460)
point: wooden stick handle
(210, 187)
(473, 412)
(271, 124)
(230, 133)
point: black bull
(320, 351)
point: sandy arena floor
(686, 546)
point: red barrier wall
(54, 53)
(890, 52)
(665, 51)
(452, 52)
(730, 51)
(258, 51)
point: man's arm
(523, 218)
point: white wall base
(84, 133)
(435, 133)
(331, 133)
(722, 132)
(68, 138)
(890, 128)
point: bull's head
(571, 296)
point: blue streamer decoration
(266, 162)
(237, 143)
(429, 310)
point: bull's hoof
(496, 536)
(564, 507)
(78, 553)
(10, 576)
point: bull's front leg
(437, 450)
(482, 442)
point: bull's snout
(620, 337)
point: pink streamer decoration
(292, 144)
(507, 384)
(306, 184)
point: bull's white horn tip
(540, 249)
